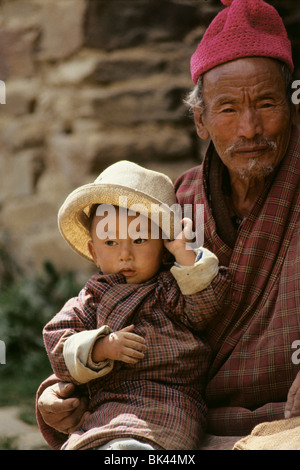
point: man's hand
(60, 409)
(292, 407)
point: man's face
(247, 115)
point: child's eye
(110, 243)
(139, 241)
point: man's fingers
(58, 405)
(55, 399)
(289, 403)
(66, 422)
(75, 426)
(71, 422)
(292, 407)
(64, 389)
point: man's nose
(249, 124)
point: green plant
(8, 442)
(25, 307)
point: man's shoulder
(188, 184)
(190, 176)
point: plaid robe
(158, 399)
(252, 368)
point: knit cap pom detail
(227, 2)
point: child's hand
(178, 247)
(120, 346)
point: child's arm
(121, 345)
(193, 270)
(202, 283)
(71, 334)
(78, 350)
(179, 248)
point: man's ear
(200, 126)
(92, 252)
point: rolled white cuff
(193, 279)
(77, 355)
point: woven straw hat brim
(73, 215)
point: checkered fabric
(252, 368)
(159, 399)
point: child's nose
(125, 252)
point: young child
(132, 335)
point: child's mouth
(128, 272)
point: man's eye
(228, 110)
(266, 105)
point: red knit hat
(246, 28)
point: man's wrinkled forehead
(260, 76)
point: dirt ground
(17, 435)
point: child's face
(132, 253)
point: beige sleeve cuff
(193, 279)
(77, 355)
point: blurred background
(88, 83)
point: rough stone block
(17, 52)
(136, 22)
(157, 99)
(19, 174)
(21, 95)
(62, 28)
(25, 132)
(28, 216)
(50, 246)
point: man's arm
(59, 411)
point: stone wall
(90, 82)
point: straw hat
(122, 184)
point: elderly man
(249, 185)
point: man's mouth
(251, 151)
(247, 149)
